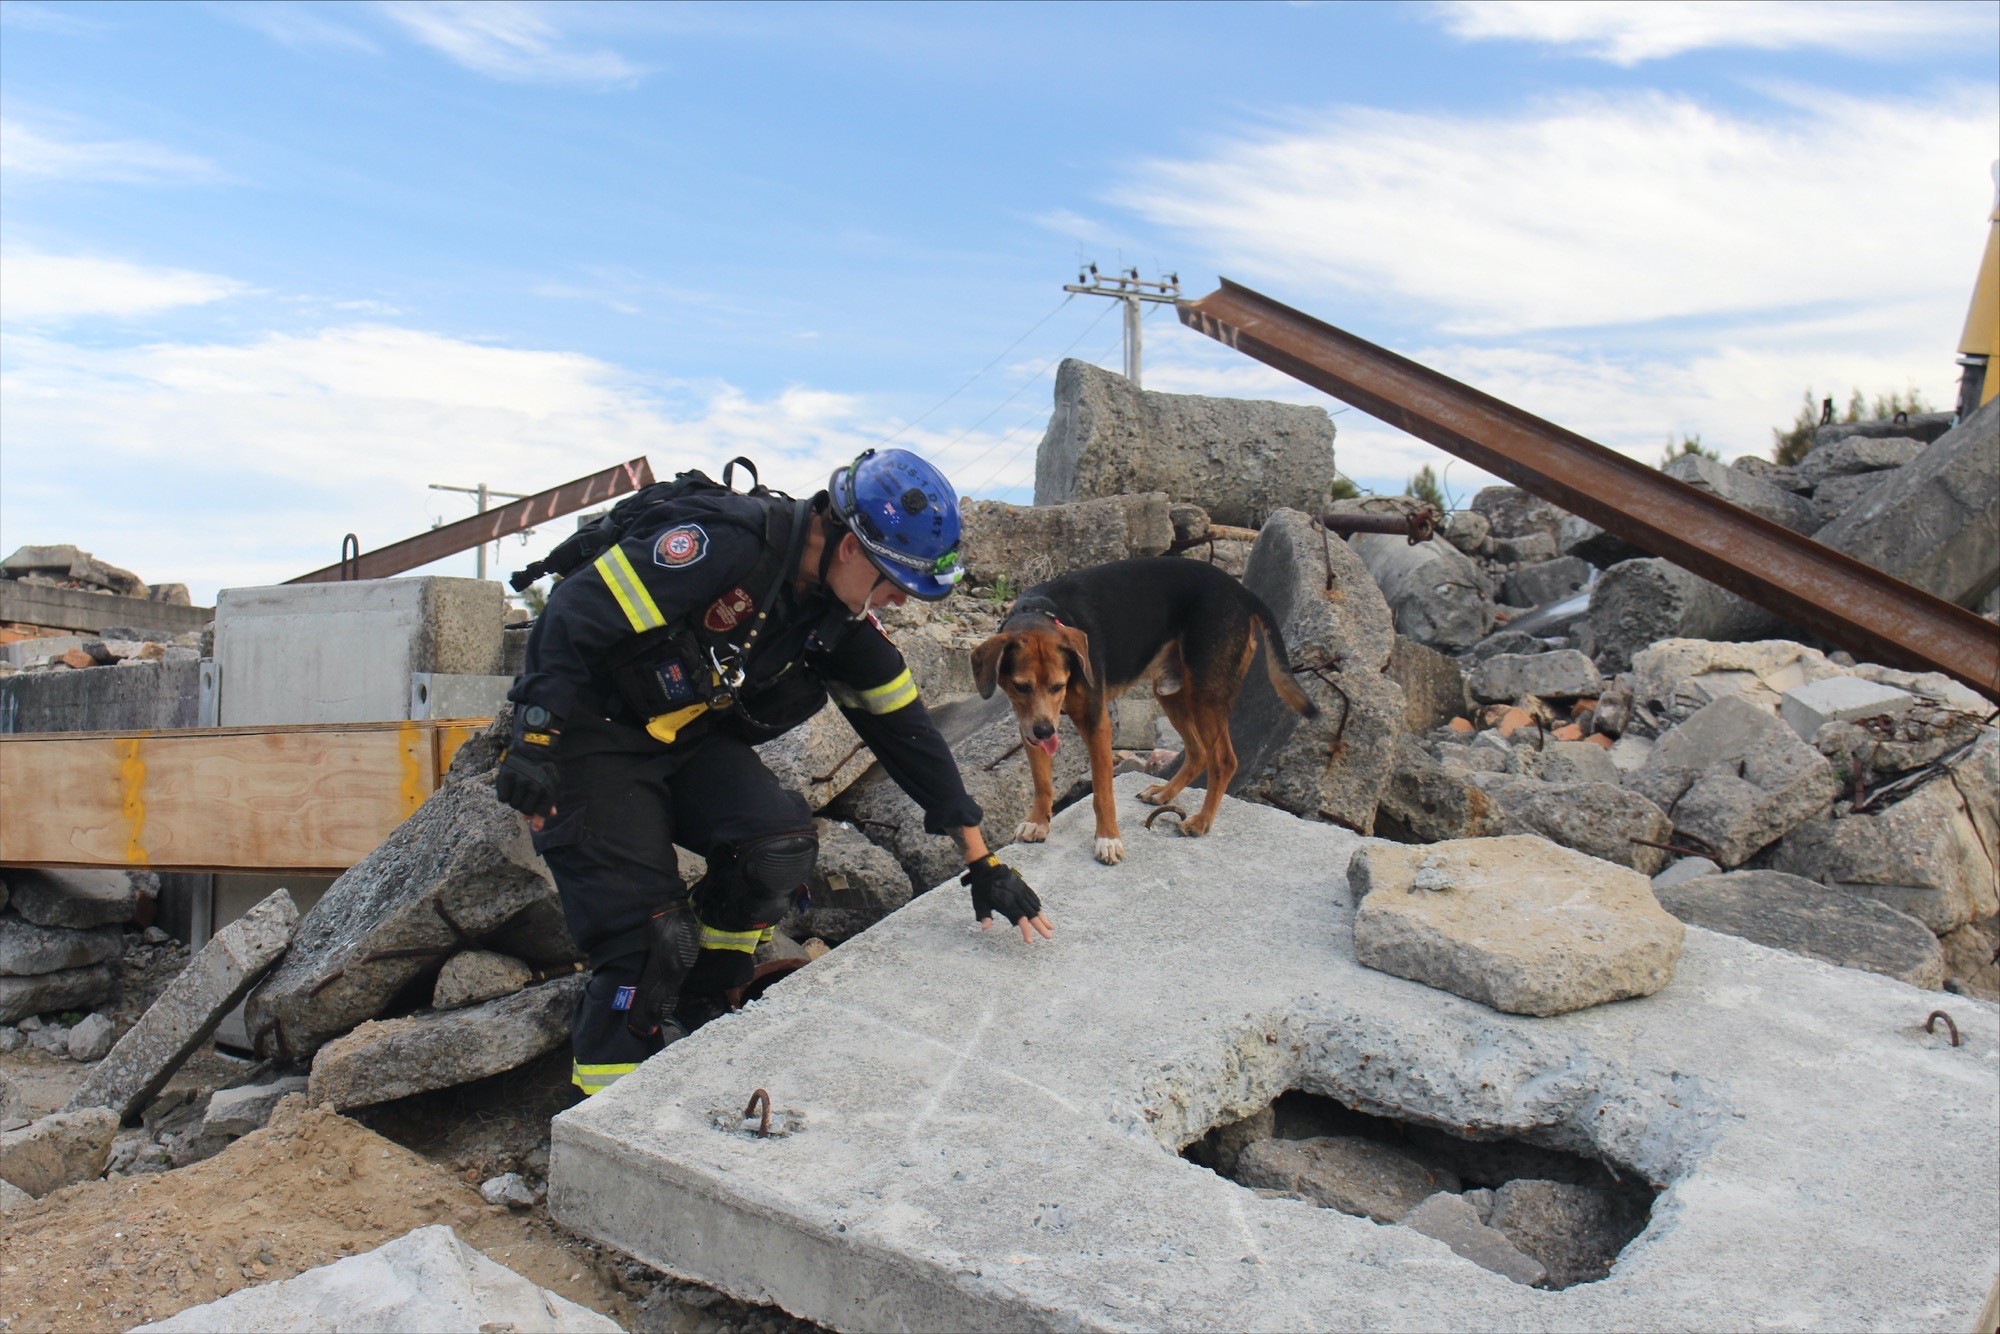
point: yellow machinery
(1980, 381)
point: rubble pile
(67, 567)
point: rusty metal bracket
(1951, 1025)
(466, 534)
(760, 1101)
(1871, 614)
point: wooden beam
(306, 799)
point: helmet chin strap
(829, 547)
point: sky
(269, 271)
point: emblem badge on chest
(729, 611)
(680, 546)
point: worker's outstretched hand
(997, 887)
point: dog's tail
(1278, 664)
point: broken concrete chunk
(1921, 856)
(1454, 1220)
(1436, 595)
(1777, 474)
(238, 1111)
(27, 949)
(1935, 522)
(855, 885)
(1811, 706)
(1356, 1176)
(1837, 495)
(1563, 762)
(1736, 779)
(394, 1058)
(1972, 959)
(1517, 923)
(462, 868)
(1598, 819)
(1639, 602)
(80, 900)
(1586, 541)
(1788, 912)
(1467, 530)
(58, 1150)
(1682, 871)
(428, 1279)
(510, 1189)
(1514, 512)
(1546, 581)
(46, 993)
(91, 1038)
(1433, 685)
(1922, 426)
(1562, 675)
(1858, 455)
(189, 1010)
(1744, 491)
(1896, 744)
(472, 976)
(1675, 678)
(1029, 544)
(1241, 460)
(1573, 1231)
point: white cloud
(301, 27)
(37, 288)
(1626, 33)
(1595, 211)
(507, 39)
(26, 150)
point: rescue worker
(725, 620)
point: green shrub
(1424, 486)
(1789, 446)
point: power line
(1008, 462)
(981, 371)
(1025, 384)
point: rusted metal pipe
(1419, 525)
(1871, 614)
(452, 538)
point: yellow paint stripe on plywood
(132, 799)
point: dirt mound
(311, 1188)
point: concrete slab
(990, 1130)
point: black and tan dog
(1073, 643)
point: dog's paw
(1195, 825)
(1110, 851)
(1154, 795)
(1028, 831)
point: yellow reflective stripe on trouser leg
(597, 1078)
(746, 941)
(890, 695)
(633, 599)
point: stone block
(1562, 674)
(1837, 495)
(1787, 912)
(1241, 460)
(1736, 779)
(1780, 475)
(1028, 545)
(1190, 522)
(1600, 820)
(1935, 522)
(461, 867)
(1355, 1176)
(1682, 871)
(1675, 678)
(46, 993)
(1574, 1232)
(235, 1112)
(1453, 1220)
(79, 900)
(27, 949)
(1513, 512)
(81, 610)
(472, 976)
(1545, 581)
(91, 1038)
(1335, 765)
(190, 1008)
(1201, 1010)
(1809, 707)
(1924, 426)
(428, 1279)
(1744, 491)
(394, 1058)
(1858, 455)
(1436, 595)
(57, 1150)
(68, 563)
(1922, 856)
(1636, 603)
(1433, 685)
(1467, 530)
(345, 652)
(145, 695)
(1563, 762)
(1527, 549)
(1517, 923)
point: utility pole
(484, 494)
(1128, 287)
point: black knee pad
(752, 885)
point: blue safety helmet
(905, 515)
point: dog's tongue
(1047, 745)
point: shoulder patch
(681, 545)
(728, 611)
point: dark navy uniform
(708, 592)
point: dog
(1075, 642)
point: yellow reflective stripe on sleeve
(745, 941)
(842, 696)
(891, 695)
(596, 1078)
(615, 568)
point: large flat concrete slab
(990, 1130)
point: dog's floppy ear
(986, 663)
(1077, 643)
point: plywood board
(314, 798)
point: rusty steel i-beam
(466, 534)
(1873, 615)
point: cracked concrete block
(1516, 922)
(1600, 820)
(426, 1279)
(1563, 762)
(1433, 685)
(1858, 455)
(1837, 495)
(74, 900)
(1454, 1220)
(1436, 595)
(1562, 674)
(27, 949)
(1514, 512)
(1922, 856)
(918, 1214)
(46, 993)
(1544, 582)
(462, 868)
(1924, 426)
(1744, 491)
(92, 1038)
(1239, 459)
(1809, 707)
(1356, 1176)
(1031, 544)
(1736, 779)
(394, 1058)
(472, 976)
(1675, 678)
(57, 1150)
(1789, 912)
(1636, 603)
(187, 1013)
(235, 1112)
